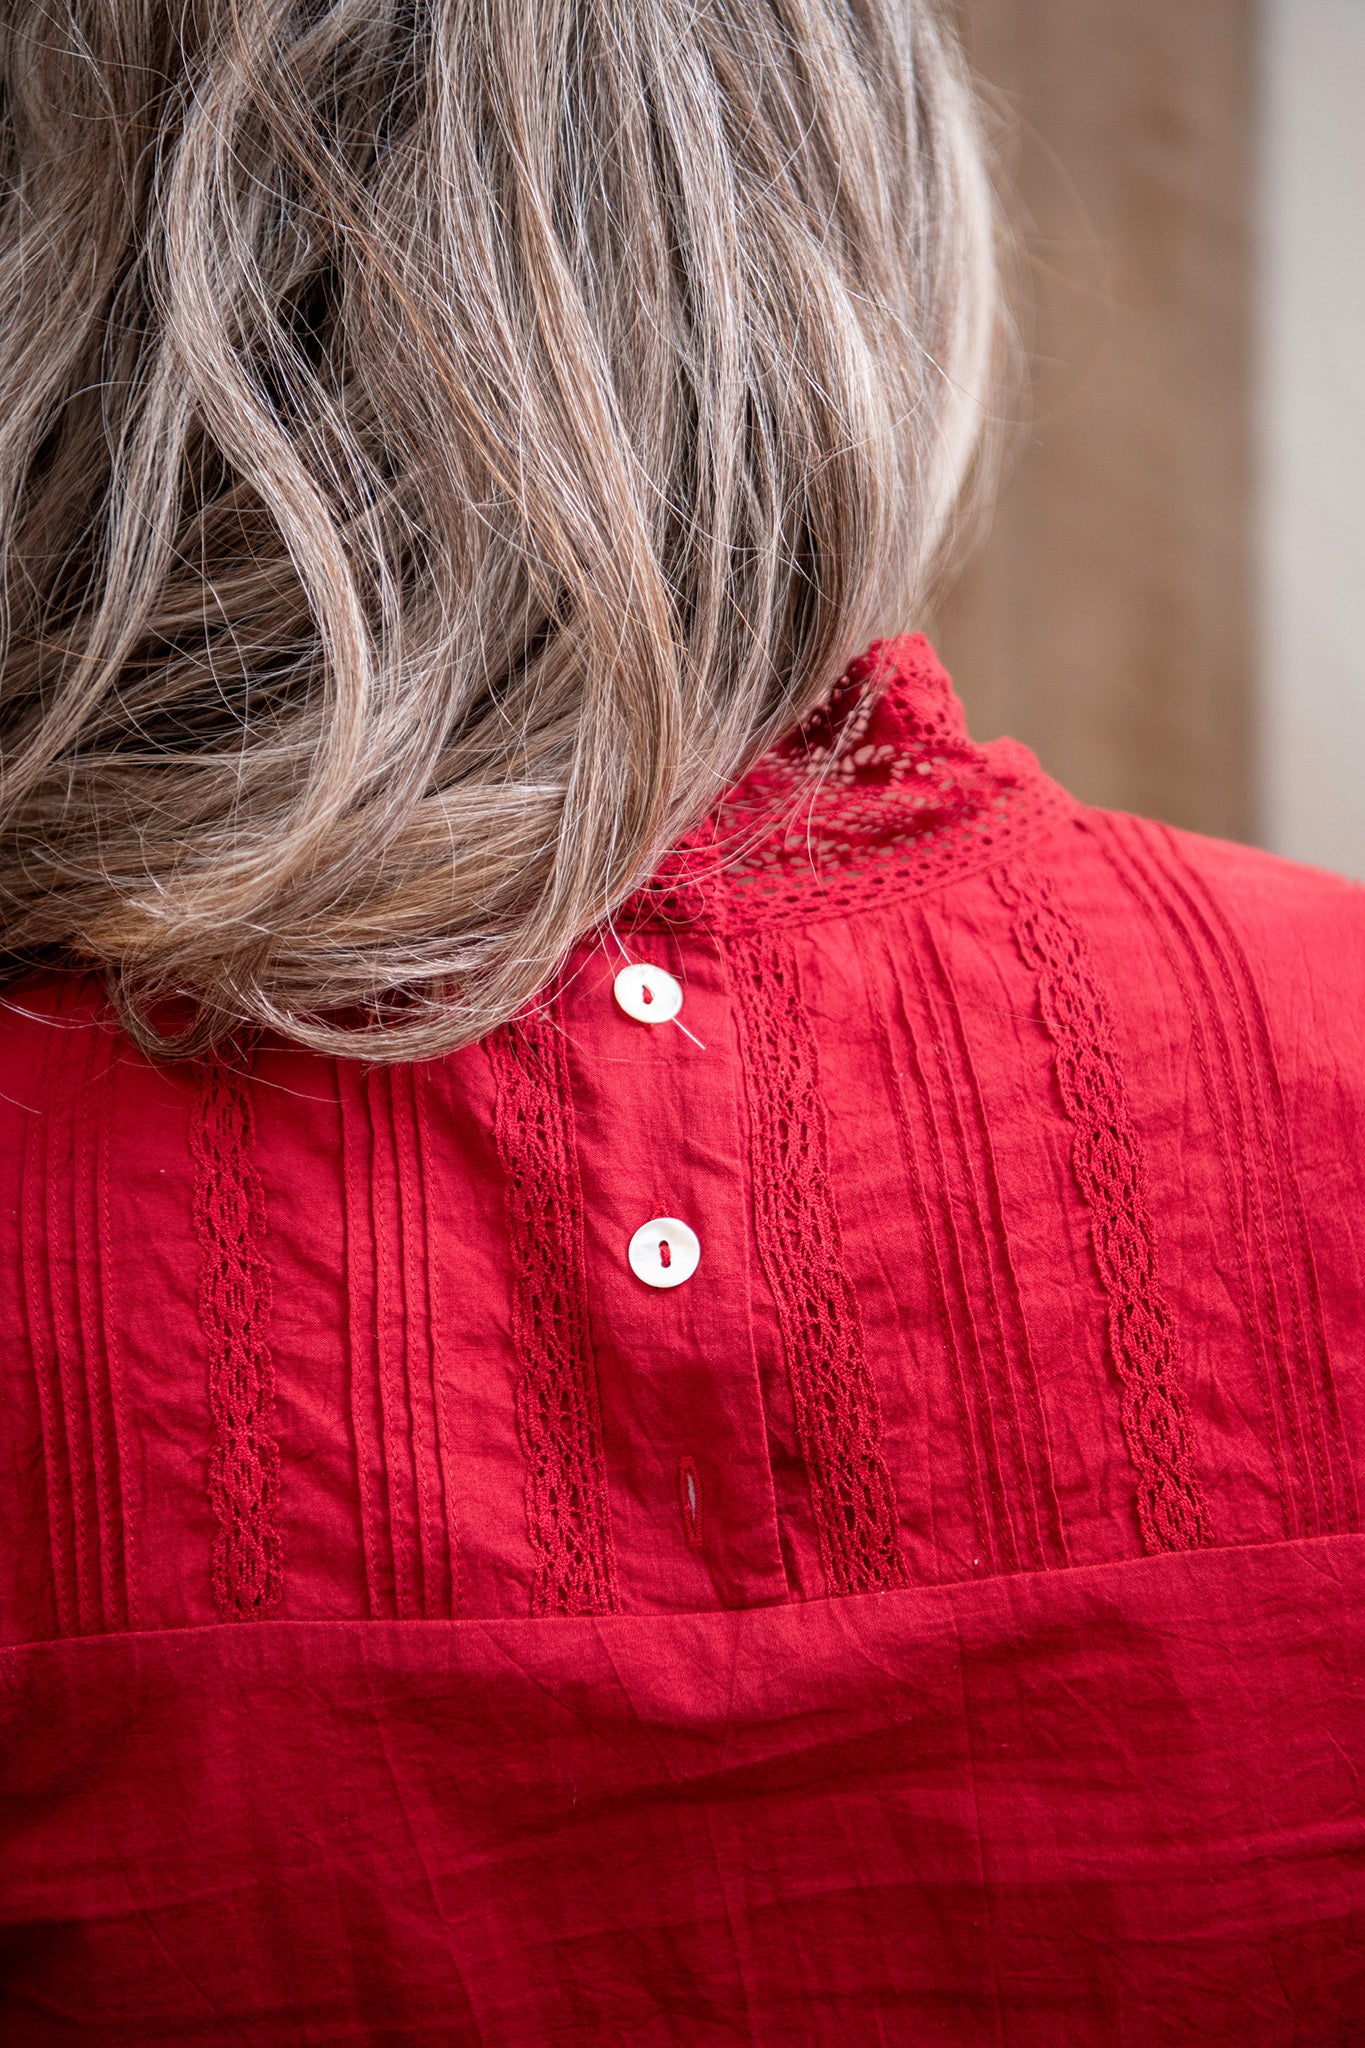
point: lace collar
(882, 789)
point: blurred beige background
(1170, 607)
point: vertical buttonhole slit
(665, 1252)
(646, 993)
(689, 1494)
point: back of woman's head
(442, 442)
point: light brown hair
(442, 443)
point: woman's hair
(442, 444)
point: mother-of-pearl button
(664, 1252)
(649, 994)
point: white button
(664, 1252)
(648, 994)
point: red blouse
(936, 1618)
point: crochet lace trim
(882, 792)
(1111, 1174)
(234, 1309)
(557, 1408)
(797, 1230)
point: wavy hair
(442, 444)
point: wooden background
(1107, 620)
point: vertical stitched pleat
(985, 1312)
(64, 1110)
(38, 1290)
(405, 1512)
(936, 1221)
(1334, 1467)
(234, 1309)
(391, 1334)
(557, 1403)
(64, 1222)
(1019, 1393)
(1246, 1204)
(800, 1246)
(97, 1337)
(367, 1422)
(103, 1312)
(1282, 1309)
(438, 1339)
(419, 1362)
(1112, 1177)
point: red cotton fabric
(939, 1619)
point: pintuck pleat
(1268, 1234)
(398, 1411)
(74, 1348)
(950, 1168)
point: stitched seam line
(91, 1104)
(42, 1342)
(234, 1310)
(104, 1238)
(1111, 1174)
(403, 1249)
(357, 1151)
(411, 1194)
(558, 1421)
(401, 1473)
(445, 1445)
(797, 1229)
(63, 1194)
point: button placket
(665, 1251)
(677, 1378)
